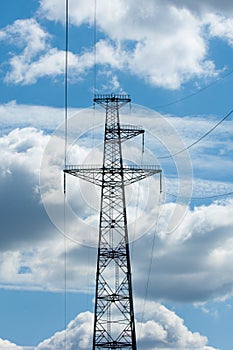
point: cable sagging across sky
(199, 139)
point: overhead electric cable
(150, 264)
(94, 70)
(66, 77)
(137, 203)
(199, 139)
(65, 160)
(196, 92)
(94, 49)
(65, 272)
(200, 198)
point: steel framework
(114, 324)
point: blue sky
(175, 60)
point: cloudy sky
(174, 58)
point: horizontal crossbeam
(124, 132)
(94, 173)
(112, 98)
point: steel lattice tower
(114, 324)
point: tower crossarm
(134, 173)
(94, 173)
(90, 173)
(126, 132)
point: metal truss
(114, 324)
(94, 173)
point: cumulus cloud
(36, 57)
(77, 335)
(215, 6)
(7, 345)
(27, 34)
(162, 329)
(193, 263)
(29, 241)
(205, 231)
(220, 27)
(29, 37)
(152, 39)
(14, 115)
(21, 153)
(146, 42)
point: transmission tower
(114, 324)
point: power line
(65, 270)
(65, 160)
(200, 198)
(66, 76)
(137, 203)
(200, 138)
(150, 264)
(196, 92)
(94, 48)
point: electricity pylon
(114, 324)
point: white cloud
(201, 246)
(26, 34)
(14, 115)
(23, 72)
(80, 12)
(7, 345)
(162, 329)
(21, 154)
(221, 27)
(112, 83)
(30, 243)
(36, 57)
(194, 262)
(31, 39)
(153, 38)
(205, 6)
(78, 335)
(147, 42)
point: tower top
(110, 98)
